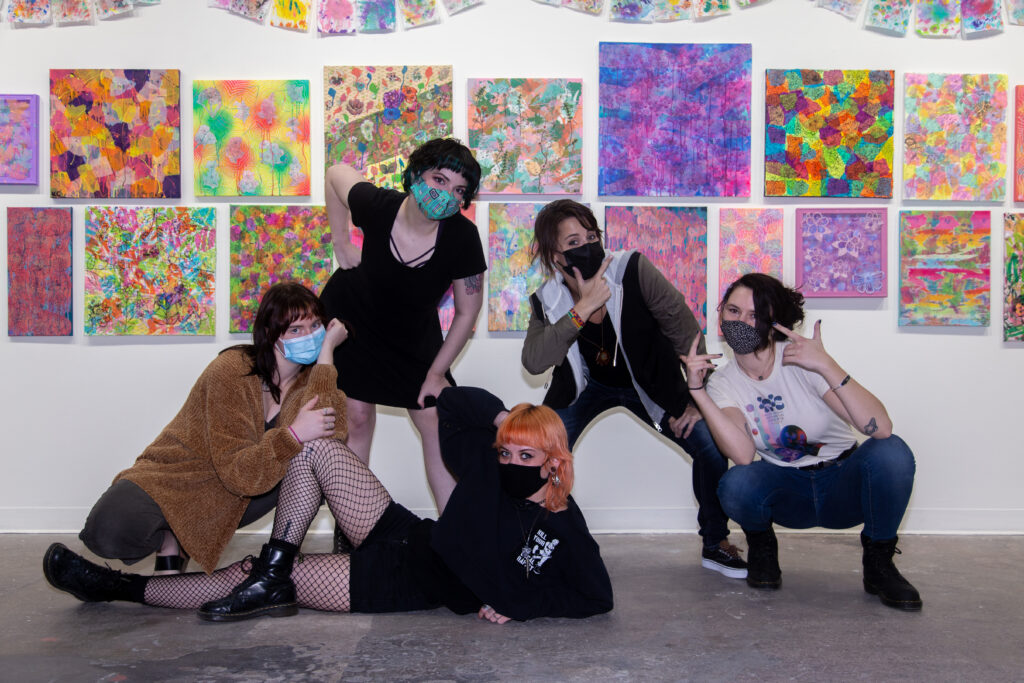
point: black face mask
(587, 257)
(741, 337)
(520, 481)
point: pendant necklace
(768, 367)
(602, 358)
(526, 553)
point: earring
(555, 479)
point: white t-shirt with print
(790, 423)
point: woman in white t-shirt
(787, 400)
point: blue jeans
(871, 486)
(708, 462)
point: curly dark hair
(446, 153)
(774, 302)
(545, 229)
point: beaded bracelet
(575, 318)
(844, 382)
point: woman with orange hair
(510, 544)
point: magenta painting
(750, 241)
(39, 272)
(674, 238)
(841, 252)
(19, 139)
(674, 120)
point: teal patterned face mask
(435, 204)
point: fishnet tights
(323, 469)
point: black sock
(134, 590)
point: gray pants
(126, 523)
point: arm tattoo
(871, 427)
(473, 283)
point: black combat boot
(763, 560)
(72, 573)
(268, 591)
(881, 577)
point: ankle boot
(268, 590)
(72, 573)
(763, 560)
(881, 577)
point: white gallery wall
(75, 411)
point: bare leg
(362, 418)
(172, 549)
(441, 481)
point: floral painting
(19, 139)
(512, 275)
(750, 241)
(889, 15)
(39, 272)
(841, 252)
(1013, 282)
(937, 18)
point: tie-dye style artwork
(1018, 145)
(526, 134)
(150, 270)
(419, 13)
(937, 18)
(512, 275)
(674, 238)
(672, 10)
(251, 138)
(585, 6)
(1013, 284)
(29, 12)
(634, 11)
(674, 120)
(19, 139)
(892, 16)
(847, 8)
(705, 9)
(336, 17)
(955, 137)
(290, 14)
(750, 241)
(944, 268)
(456, 6)
(256, 10)
(271, 244)
(72, 12)
(114, 133)
(39, 272)
(1015, 12)
(841, 252)
(107, 9)
(375, 116)
(828, 133)
(375, 16)
(981, 16)
(219, 4)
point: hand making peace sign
(697, 365)
(809, 354)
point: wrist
(296, 436)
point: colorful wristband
(575, 318)
(295, 435)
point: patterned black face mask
(741, 337)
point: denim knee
(737, 493)
(890, 457)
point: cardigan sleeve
(546, 343)
(321, 381)
(669, 308)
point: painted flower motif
(366, 129)
(873, 223)
(392, 99)
(818, 281)
(817, 226)
(249, 184)
(204, 136)
(209, 178)
(210, 98)
(815, 257)
(840, 270)
(354, 106)
(849, 242)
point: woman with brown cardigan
(217, 465)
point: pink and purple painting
(750, 241)
(674, 120)
(512, 275)
(674, 238)
(336, 17)
(841, 252)
(944, 268)
(39, 272)
(981, 16)
(19, 139)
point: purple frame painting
(841, 252)
(19, 139)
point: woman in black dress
(416, 245)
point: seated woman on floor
(217, 465)
(511, 543)
(786, 399)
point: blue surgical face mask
(304, 350)
(434, 203)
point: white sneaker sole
(722, 569)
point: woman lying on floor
(511, 543)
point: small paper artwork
(1018, 146)
(585, 6)
(526, 134)
(456, 6)
(419, 13)
(150, 270)
(847, 8)
(19, 139)
(39, 272)
(981, 16)
(251, 9)
(892, 16)
(512, 275)
(107, 9)
(672, 10)
(944, 268)
(828, 133)
(290, 14)
(1015, 12)
(705, 9)
(674, 239)
(336, 17)
(271, 244)
(955, 137)
(1013, 284)
(29, 12)
(938, 18)
(375, 16)
(72, 12)
(251, 138)
(841, 252)
(632, 11)
(750, 241)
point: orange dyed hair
(541, 428)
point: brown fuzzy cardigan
(215, 454)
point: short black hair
(545, 228)
(446, 153)
(774, 302)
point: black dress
(392, 308)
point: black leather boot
(72, 573)
(268, 591)
(763, 560)
(881, 577)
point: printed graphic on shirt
(535, 554)
(786, 442)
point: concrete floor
(673, 621)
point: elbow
(744, 457)
(531, 365)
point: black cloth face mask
(587, 257)
(741, 337)
(520, 481)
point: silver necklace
(526, 553)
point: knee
(112, 532)
(891, 456)
(361, 417)
(701, 445)
(735, 489)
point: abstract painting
(512, 275)
(107, 9)
(28, 11)
(455, 6)
(375, 116)
(938, 18)
(889, 15)
(672, 10)
(703, 9)
(419, 13)
(585, 6)
(955, 137)
(1018, 145)
(251, 138)
(336, 17)
(633, 11)
(1013, 284)
(39, 272)
(674, 120)
(150, 270)
(251, 9)
(271, 244)
(72, 12)
(19, 139)
(847, 8)
(750, 241)
(291, 14)
(1015, 12)
(375, 16)
(980, 16)
(674, 238)
(944, 268)
(828, 133)
(114, 133)
(527, 134)
(841, 252)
